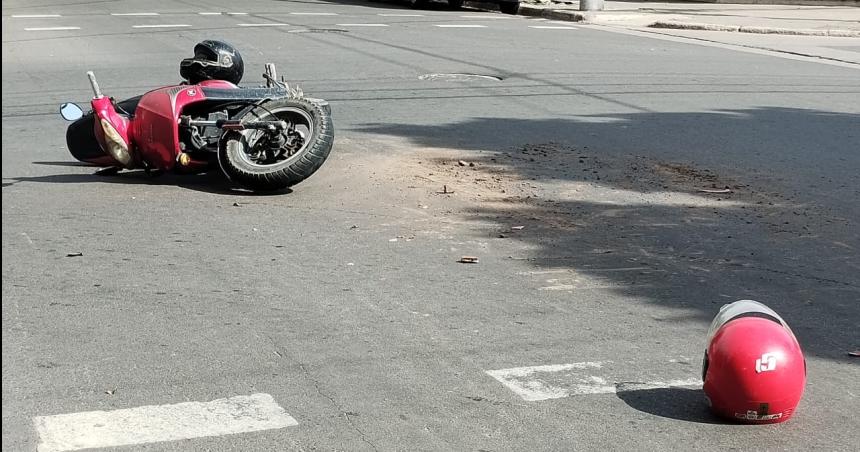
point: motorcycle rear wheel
(240, 153)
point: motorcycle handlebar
(96, 91)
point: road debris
(468, 260)
(445, 191)
(74, 254)
(236, 204)
(855, 353)
(461, 163)
(517, 228)
(715, 190)
(111, 391)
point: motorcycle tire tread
(292, 172)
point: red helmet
(754, 370)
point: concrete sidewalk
(841, 21)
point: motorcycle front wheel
(263, 161)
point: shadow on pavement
(674, 403)
(681, 210)
(213, 183)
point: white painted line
(488, 17)
(559, 287)
(237, 14)
(154, 423)
(34, 16)
(543, 272)
(551, 27)
(361, 25)
(51, 28)
(402, 15)
(263, 25)
(314, 14)
(161, 26)
(210, 13)
(461, 26)
(134, 14)
(555, 381)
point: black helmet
(213, 60)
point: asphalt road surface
(584, 168)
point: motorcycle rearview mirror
(71, 112)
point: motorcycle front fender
(81, 138)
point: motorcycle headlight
(116, 145)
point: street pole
(591, 5)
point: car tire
(509, 7)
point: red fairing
(104, 110)
(156, 122)
(755, 371)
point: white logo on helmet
(754, 416)
(227, 60)
(766, 363)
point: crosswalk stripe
(155, 423)
(554, 381)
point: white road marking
(34, 16)
(237, 14)
(555, 381)
(263, 25)
(210, 13)
(543, 272)
(559, 287)
(361, 25)
(461, 26)
(154, 423)
(314, 14)
(552, 27)
(488, 17)
(134, 14)
(161, 26)
(51, 28)
(401, 15)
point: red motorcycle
(265, 138)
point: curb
(557, 14)
(592, 17)
(759, 30)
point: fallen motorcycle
(265, 138)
